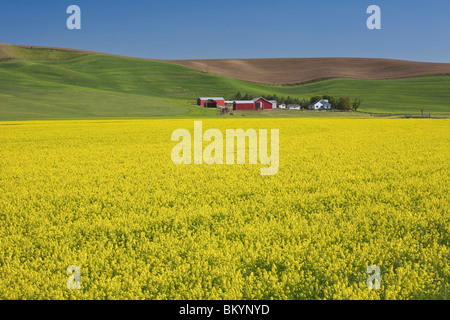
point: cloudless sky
(208, 29)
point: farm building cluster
(257, 104)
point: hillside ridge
(263, 70)
(16, 52)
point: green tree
(304, 104)
(331, 99)
(289, 100)
(344, 103)
(314, 99)
(247, 97)
(356, 103)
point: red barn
(262, 104)
(219, 100)
(244, 105)
(210, 104)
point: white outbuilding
(320, 104)
(274, 104)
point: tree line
(344, 102)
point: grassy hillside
(55, 84)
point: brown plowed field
(299, 70)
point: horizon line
(205, 59)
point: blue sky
(207, 29)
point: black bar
(226, 309)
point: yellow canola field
(106, 197)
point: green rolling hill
(47, 83)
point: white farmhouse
(320, 104)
